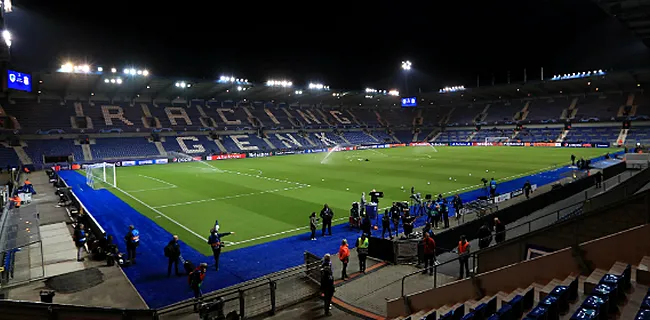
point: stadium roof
(635, 14)
(140, 88)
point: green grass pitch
(268, 198)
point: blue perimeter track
(149, 275)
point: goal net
(497, 139)
(101, 175)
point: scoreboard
(408, 102)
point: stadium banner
(259, 154)
(547, 144)
(315, 150)
(366, 147)
(395, 145)
(502, 197)
(577, 145)
(161, 161)
(516, 144)
(419, 144)
(129, 163)
(438, 144)
(602, 145)
(484, 144)
(225, 156)
(460, 144)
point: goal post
(101, 175)
(497, 139)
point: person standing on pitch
(362, 252)
(344, 256)
(173, 254)
(327, 214)
(214, 240)
(313, 223)
(132, 239)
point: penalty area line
(161, 214)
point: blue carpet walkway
(149, 276)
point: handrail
(473, 254)
(242, 287)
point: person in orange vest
(26, 170)
(344, 256)
(28, 185)
(16, 200)
(463, 256)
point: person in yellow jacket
(362, 252)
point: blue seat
(538, 313)
(480, 311)
(517, 306)
(552, 305)
(495, 317)
(643, 315)
(506, 312)
(585, 314)
(616, 283)
(597, 303)
(562, 294)
(447, 316)
(432, 316)
(469, 316)
(605, 291)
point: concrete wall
(628, 246)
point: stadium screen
(409, 102)
(19, 81)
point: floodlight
(145, 72)
(84, 68)
(6, 35)
(67, 67)
(406, 65)
(132, 71)
(113, 70)
(126, 71)
(119, 81)
(393, 93)
(100, 69)
(298, 91)
(107, 81)
(139, 72)
(7, 6)
(112, 80)
(239, 88)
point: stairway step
(644, 265)
(642, 274)
(593, 279)
(618, 268)
(548, 288)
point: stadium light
(279, 83)
(318, 86)
(452, 89)
(6, 35)
(298, 92)
(227, 79)
(136, 72)
(100, 69)
(394, 93)
(113, 70)
(406, 65)
(113, 80)
(7, 6)
(183, 84)
(578, 75)
(371, 90)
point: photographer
(408, 221)
(395, 216)
(385, 225)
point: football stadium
(132, 195)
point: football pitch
(263, 199)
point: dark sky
(353, 44)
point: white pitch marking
(161, 214)
(227, 197)
(158, 180)
(152, 189)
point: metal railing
(261, 296)
(520, 229)
(533, 224)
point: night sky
(350, 45)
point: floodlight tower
(406, 68)
(5, 51)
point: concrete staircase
(579, 288)
(22, 155)
(523, 113)
(415, 137)
(629, 103)
(161, 149)
(268, 143)
(471, 136)
(570, 112)
(622, 136)
(88, 154)
(562, 136)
